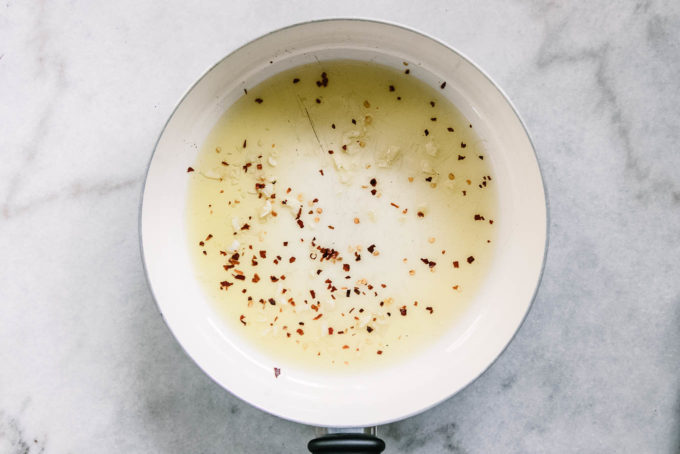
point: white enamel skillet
(472, 343)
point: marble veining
(87, 364)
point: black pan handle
(346, 443)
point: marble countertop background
(86, 363)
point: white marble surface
(86, 363)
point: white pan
(474, 340)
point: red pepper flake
(460, 158)
(369, 329)
(296, 80)
(331, 227)
(432, 103)
(455, 287)
(421, 214)
(272, 301)
(345, 347)
(300, 223)
(190, 169)
(258, 100)
(291, 260)
(277, 371)
(463, 145)
(318, 317)
(313, 293)
(371, 248)
(394, 205)
(470, 259)
(481, 157)
(274, 278)
(324, 80)
(450, 129)
(373, 181)
(433, 119)
(225, 163)
(321, 172)
(240, 277)
(330, 152)
(373, 191)
(391, 87)
(429, 309)
(225, 284)
(318, 101)
(299, 331)
(456, 264)
(263, 254)
(428, 179)
(443, 85)
(402, 310)
(490, 221)
(330, 330)
(201, 243)
(479, 217)
(427, 133)
(345, 267)
(205, 253)
(242, 319)
(245, 227)
(379, 352)
(256, 278)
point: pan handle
(348, 441)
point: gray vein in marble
(13, 437)
(443, 436)
(554, 52)
(74, 190)
(32, 149)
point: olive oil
(341, 215)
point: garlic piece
(388, 156)
(431, 149)
(266, 209)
